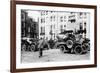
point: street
(51, 55)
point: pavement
(51, 55)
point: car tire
(32, 47)
(69, 43)
(62, 48)
(78, 49)
(24, 47)
(86, 47)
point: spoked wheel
(32, 47)
(62, 48)
(86, 47)
(78, 49)
(23, 47)
(69, 43)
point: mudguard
(59, 43)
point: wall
(5, 36)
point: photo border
(13, 35)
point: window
(72, 20)
(85, 24)
(41, 13)
(81, 27)
(51, 27)
(24, 33)
(80, 23)
(22, 15)
(54, 18)
(41, 29)
(71, 12)
(44, 20)
(46, 12)
(61, 28)
(64, 17)
(64, 25)
(85, 13)
(51, 18)
(54, 26)
(81, 13)
(28, 29)
(24, 24)
(51, 11)
(61, 19)
(51, 32)
(41, 20)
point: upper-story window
(81, 13)
(64, 25)
(64, 18)
(51, 11)
(54, 18)
(51, 18)
(81, 27)
(42, 13)
(61, 28)
(46, 12)
(42, 20)
(85, 13)
(42, 29)
(71, 12)
(84, 23)
(61, 19)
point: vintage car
(31, 44)
(73, 43)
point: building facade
(29, 27)
(51, 23)
(48, 24)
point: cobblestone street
(51, 56)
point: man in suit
(41, 44)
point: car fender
(59, 43)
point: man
(41, 44)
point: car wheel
(69, 43)
(78, 49)
(86, 47)
(32, 47)
(62, 48)
(23, 47)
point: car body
(73, 44)
(31, 44)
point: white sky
(33, 14)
